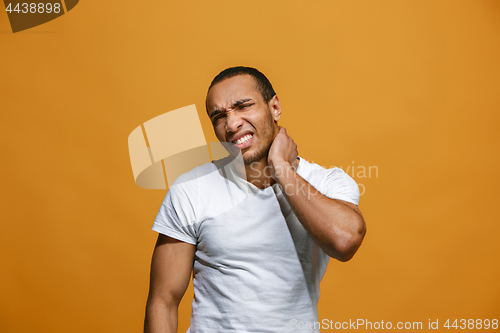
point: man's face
(240, 115)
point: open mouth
(244, 141)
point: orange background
(411, 87)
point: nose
(233, 121)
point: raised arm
(337, 226)
(171, 268)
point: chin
(254, 156)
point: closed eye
(218, 117)
(243, 106)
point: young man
(258, 242)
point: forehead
(228, 91)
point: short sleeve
(339, 185)
(176, 217)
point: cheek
(220, 133)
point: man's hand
(283, 151)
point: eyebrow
(235, 105)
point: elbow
(344, 248)
(345, 253)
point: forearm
(337, 228)
(160, 318)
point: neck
(259, 174)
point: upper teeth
(243, 139)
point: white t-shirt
(256, 268)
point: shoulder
(312, 172)
(332, 182)
(192, 180)
(184, 191)
(308, 169)
(199, 187)
(194, 174)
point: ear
(275, 106)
